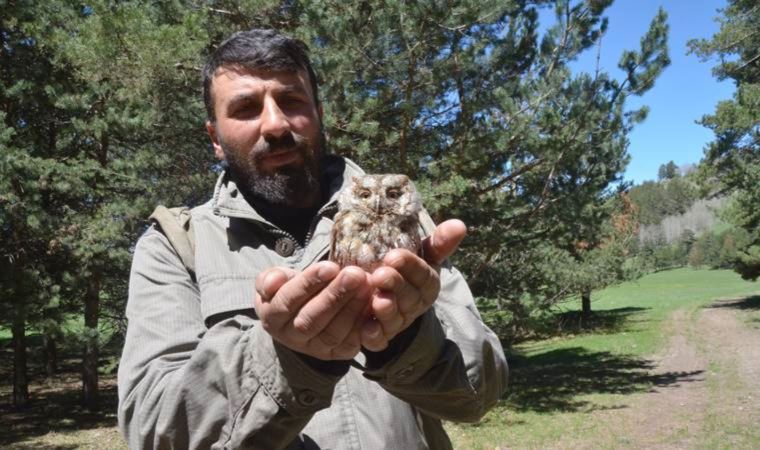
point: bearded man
(260, 342)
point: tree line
(685, 221)
(102, 120)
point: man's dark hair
(257, 49)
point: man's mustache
(287, 142)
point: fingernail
(349, 281)
(268, 279)
(326, 272)
(372, 329)
(387, 284)
(393, 258)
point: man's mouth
(279, 158)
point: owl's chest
(370, 228)
(363, 239)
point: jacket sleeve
(454, 367)
(183, 385)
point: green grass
(555, 383)
(646, 303)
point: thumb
(444, 241)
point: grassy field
(556, 383)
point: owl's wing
(409, 236)
(334, 237)
(340, 253)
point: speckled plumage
(376, 213)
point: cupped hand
(318, 312)
(406, 286)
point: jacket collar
(228, 201)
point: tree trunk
(585, 307)
(51, 355)
(20, 380)
(90, 358)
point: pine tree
(599, 260)
(732, 160)
(33, 181)
(486, 116)
(105, 122)
(667, 171)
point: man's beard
(296, 185)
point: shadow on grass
(54, 403)
(601, 322)
(554, 380)
(55, 406)
(568, 323)
(751, 302)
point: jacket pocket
(225, 293)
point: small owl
(376, 213)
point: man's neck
(296, 220)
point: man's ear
(211, 130)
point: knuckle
(345, 351)
(310, 281)
(333, 297)
(329, 339)
(396, 281)
(303, 324)
(324, 353)
(433, 282)
(267, 326)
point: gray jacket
(198, 371)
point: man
(265, 344)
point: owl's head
(381, 194)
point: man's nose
(274, 123)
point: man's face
(268, 129)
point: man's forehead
(238, 72)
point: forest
(102, 120)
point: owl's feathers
(376, 213)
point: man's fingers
(314, 316)
(411, 267)
(395, 296)
(347, 349)
(271, 280)
(292, 295)
(373, 338)
(444, 241)
(342, 324)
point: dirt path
(715, 356)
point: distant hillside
(701, 216)
(672, 205)
(657, 200)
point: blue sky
(684, 92)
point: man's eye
(292, 101)
(365, 193)
(246, 110)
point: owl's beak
(377, 205)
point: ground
(55, 420)
(670, 362)
(713, 357)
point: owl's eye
(393, 193)
(365, 193)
